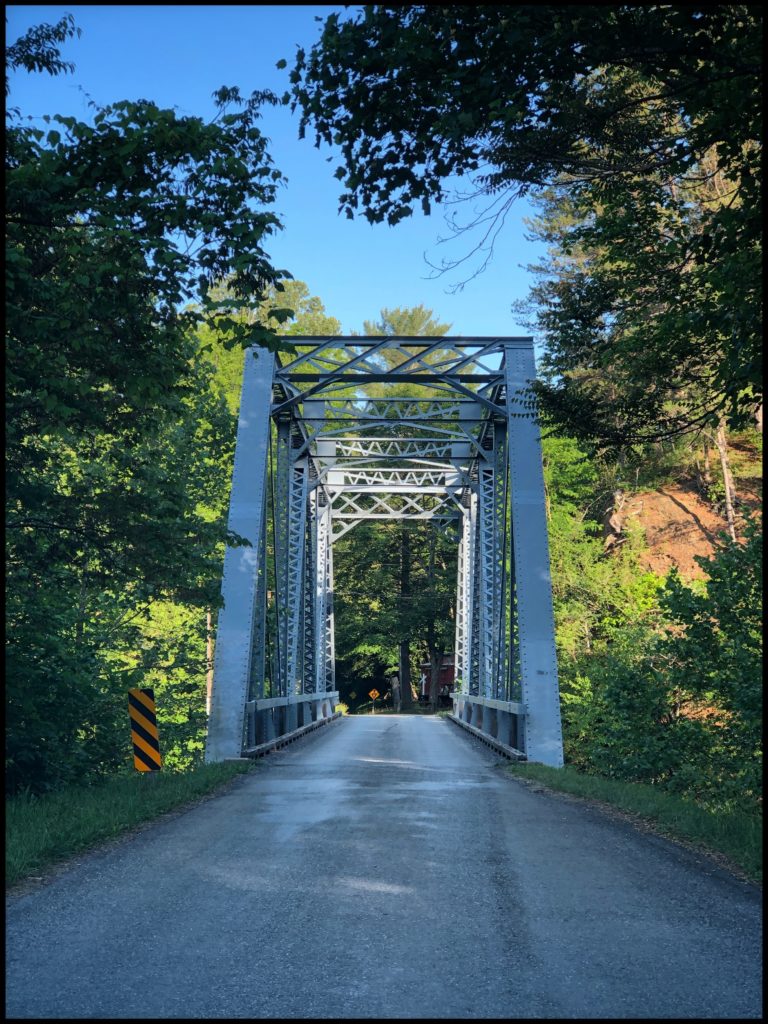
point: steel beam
(463, 605)
(282, 515)
(258, 650)
(330, 638)
(500, 471)
(538, 660)
(295, 574)
(323, 583)
(473, 619)
(242, 565)
(309, 674)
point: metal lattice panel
(295, 573)
(464, 604)
(499, 496)
(475, 596)
(259, 651)
(309, 674)
(323, 586)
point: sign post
(373, 694)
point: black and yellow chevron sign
(146, 742)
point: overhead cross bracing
(353, 429)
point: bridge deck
(386, 867)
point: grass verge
(45, 829)
(733, 835)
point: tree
(659, 678)
(411, 612)
(366, 608)
(38, 49)
(631, 356)
(377, 624)
(629, 104)
(299, 312)
(406, 322)
(713, 651)
(175, 643)
(116, 231)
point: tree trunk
(759, 417)
(406, 694)
(404, 671)
(208, 660)
(704, 474)
(722, 448)
(613, 522)
(435, 664)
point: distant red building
(445, 678)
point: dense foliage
(660, 679)
(670, 692)
(378, 620)
(117, 445)
(136, 271)
(646, 117)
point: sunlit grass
(732, 833)
(43, 830)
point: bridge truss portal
(328, 437)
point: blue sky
(178, 55)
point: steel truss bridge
(329, 437)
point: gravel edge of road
(639, 824)
(52, 871)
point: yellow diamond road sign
(373, 694)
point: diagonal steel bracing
(461, 450)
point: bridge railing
(500, 722)
(270, 718)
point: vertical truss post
(491, 475)
(291, 519)
(463, 604)
(295, 577)
(538, 661)
(325, 665)
(258, 650)
(514, 691)
(321, 595)
(290, 523)
(473, 619)
(242, 565)
(500, 470)
(486, 572)
(330, 642)
(282, 512)
(309, 678)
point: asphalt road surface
(386, 867)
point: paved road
(386, 867)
